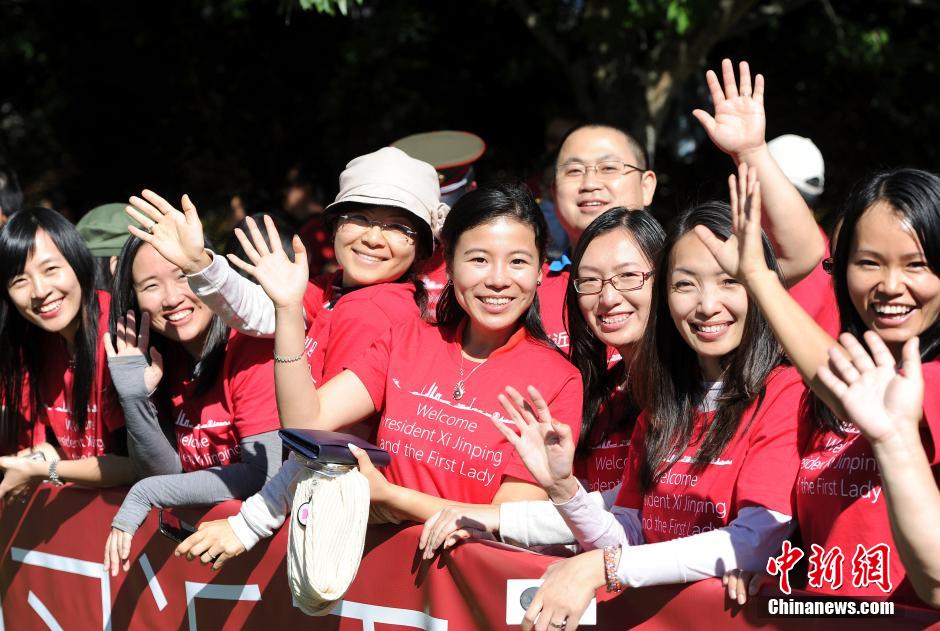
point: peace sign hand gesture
(739, 122)
(176, 235)
(544, 444)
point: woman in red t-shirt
(435, 386)
(52, 377)
(202, 418)
(886, 272)
(712, 458)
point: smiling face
(579, 200)
(163, 292)
(617, 318)
(893, 289)
(707, 306)
(495, 271)
(47, 293)
(371, 256)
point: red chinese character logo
(825, 567)
(872, 566)
(783, 564)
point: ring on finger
(559, 625)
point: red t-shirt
(433, 276)
(55, 394)
(240, 403)
(840, 501)
(448, 447)
(552, 305)
(816, 295)
(318, 311)
(602, 468)
(757, 468)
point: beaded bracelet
(288, 360)
(610, 568)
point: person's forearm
(537, 523)
(151, 447)
(298, 403)
(746, 543)
(100, 471)
(242, 304)
(803, 340)
(785, 217)
(594, 527)
(913, 510)
(265, 511)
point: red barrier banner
(52, 577)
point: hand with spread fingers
(449, 526)
(880, 398)
(176, 235)
(567, 589)
(742, 254)
(117, 551)
(284, 281)
(739, 122)
(214, 542)
(545, 445)
(130, 343)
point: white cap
(801, 161)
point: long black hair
(915, 196)
(124, 299)
(667, 380)
(588, 353)
(511, 200)
(424, 247)
(21, 351)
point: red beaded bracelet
(610, 568)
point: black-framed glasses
(628, 281)
(605, 169)
(358, 224)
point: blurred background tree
(222, 97)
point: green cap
(104, 229)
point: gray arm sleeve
(260, 461)
(152, 446)
(240, 303)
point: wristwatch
(53, 474)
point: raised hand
(176, 235)
(284, 281)
(742, 254)
(129, 343)
(882, 401)
(544, 444)
(739, 122)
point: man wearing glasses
(599, 167)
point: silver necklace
(459, 389)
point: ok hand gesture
(544, 444)
(739, 122)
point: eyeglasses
(356, 225)
(605, 170)
(628, 281)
